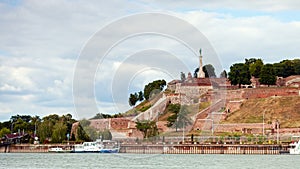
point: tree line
(150, 90)
(54, 128)
(241, 73)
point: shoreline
(267, 149)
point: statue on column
(201, 74)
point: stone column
(201, 74)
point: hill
(284, 109)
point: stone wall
(268, 92)
(262, 92)
(255, 128)
(232, 106)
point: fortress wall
(256, 127)
(268, 92)
(233, 106)
(263, 92)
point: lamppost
(11, 126)
(35, 129)
(183, 132)
(264, 125)
(212, 126)
(277, 127)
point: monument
(201, 74)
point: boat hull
(109, 151)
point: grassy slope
(285, 109)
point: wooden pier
(204, 149)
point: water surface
(135, 161)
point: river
(145, 161)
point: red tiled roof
(15, 135)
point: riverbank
(164, 148)
(33, 148)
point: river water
(137, 161)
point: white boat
(58, 150)
(88, 147)
(294, 147)
(105, 146)
(110, 146)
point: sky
(85, 57)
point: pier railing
(204, 149)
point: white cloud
(40, 42)
(266, 5)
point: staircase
(205, 119)
(153, 112)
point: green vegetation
(149, 128)
(150, 90)
(182, 76)
(255, 66)
(52, 128)
(223, 74)
(106, 116)
(179, 117)
(154, 88)
(87, 133)
(144, 108)
(134, 98)
(267, 75)
(4, 131)
(208, 69)
(239, 74)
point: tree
(68, 121)
(223, 74)
(102, 116)
(296, 65)
(179, 117)
(250, 61)
(33, 125)
(91, 133)
(133, 98)
(174, 110)
(255, 67)
(59, 132)
(278, 69)
(209, 71)
(106, 135)
(20, 125)
(140, 96)
(153, 88)
(182, 76)
(288, 68)
(85, 123)
(81, 134)
(4, 131)
(183, 119)
(239, 74)
(148, 128)
(25, 118)
(45, 130)
(196, 72)
(267, 75)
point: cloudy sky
(43, 42)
